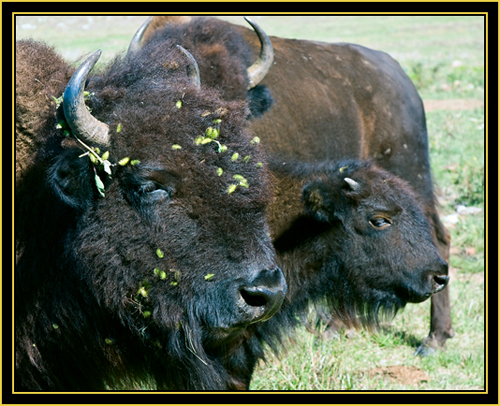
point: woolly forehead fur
(374, 181)
(221, 52)
(160, 115)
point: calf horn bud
(82, 123)
(352, 183)
(258, 71)
(192, 69)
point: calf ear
(71, 179)
(319, 201)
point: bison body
(140, 257)
(322, 101)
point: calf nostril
(441, 279)
(440, 282)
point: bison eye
(152, 191)
(379, 223)
(147, 187)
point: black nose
(264, 295)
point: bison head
(225, 57)
(184, 210)
(160, 196)
(364, 241)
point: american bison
(321, 101)
(355, 241)
(354, 235)
(142, 249)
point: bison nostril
(441, 279)
(264, 294)
(255, 297)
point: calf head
(366, 241)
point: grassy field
(446, 62)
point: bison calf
(356, 235)
(350, 237)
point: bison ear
(259, 100)
(71, 179)
(319, 201)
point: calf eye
(379, 223)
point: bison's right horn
(258, 71)
(193, 70)
(135, 44)
(82, 123)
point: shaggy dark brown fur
(333, 102)
(36, 83)
(154, 282)
(222, 56)
(106, 251)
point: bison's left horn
(258, 71)
(81, 122)
(352, 183)
(135, 44)
(193, 71)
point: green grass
(341, 363)
(444, 56)
(456, 146)
(311, 363)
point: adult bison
(142, 250)
(318, 101)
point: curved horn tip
(92, 59)
(249, 20)
(258, 71)
(84, 69)
(135, 43)
(352, 183)
(78, 118)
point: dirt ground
(406, 375)
(455, 104)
